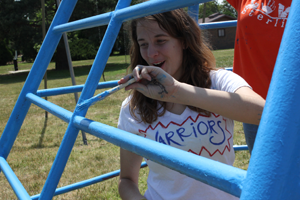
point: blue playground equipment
(274, 170)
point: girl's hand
(152, 82)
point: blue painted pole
(214, 25)
(34, 79)
(193, 11)
(240, 147)
(13, 180)
(274, 172)
(132, 12)
(72, 89)
(94, 76)
(52, 108)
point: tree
(6, 54)
(227, 9)
(21, 26)
(16, 25)
(210, 8)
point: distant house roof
(216, 17)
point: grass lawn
(38, 140)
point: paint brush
(103, 95)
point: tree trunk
(61, 60)
(204, 13)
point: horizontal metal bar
(153, 7)
(214, 25)
(216, 174)
(88, 22)
(229, 68)
(104, 177)
(78, 88)
(85, 183)
(131, 12)
(97, 130)
(73, 89)
(240, 147)
(13, 180)
(52, 108)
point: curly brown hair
(197, 63)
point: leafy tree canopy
(214, 7)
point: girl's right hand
(152, 82)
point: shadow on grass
(40, 144)
(59, 74)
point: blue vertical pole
(87, 92)
(193, 11)
(34, 79)
(274, 172)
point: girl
(181, 100)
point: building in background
(220, 38)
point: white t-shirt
(211, 137)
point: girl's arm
(244, 105)
(128, 183)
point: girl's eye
(161, 41)
(143, 45)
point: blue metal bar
(229, 68)
(153, 7)
(223, 24)
(34, 78)
(86, 183)
(128, 13)
(274, 172)
(216, 174)
(72, 89)
(193, 11)
(13, 180)
(52, 108)
(88, 90)
(240, 147)
(88, 22)
(66, 115)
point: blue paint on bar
(13, 180)
(52, 108)
(229, 68)
(214, 25)
(128, 13)
(86, 23)
(193, 11)
(89, 102)
(73, 89)
(240, 147)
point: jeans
(250, 131)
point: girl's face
(159, 49)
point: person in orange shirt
(260, 27)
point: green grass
(224, 58)
(38, 141)
(7, 69)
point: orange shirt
(259, 31)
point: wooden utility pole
(44, 33)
